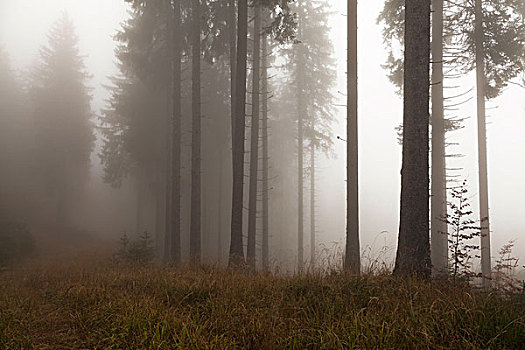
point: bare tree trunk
(219, 218)
(312, 204)
(413, 251)
(265, 155)
(439, 238)
(141, 199)
(352, 254)
(233, 64)
(254, 148)
(236, 244)
(172, 247)
(301, 113)
(482, 146)
(195, 220)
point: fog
(107, 212)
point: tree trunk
(352, 254)
(413, 251)
(233, 61)
(439, 238)
(312, 204)
(236, 244)
(482, 146)
(195, 220)
(172, 239)
(254, 148)
(301, 113)
(265, 189)
(219, 217)
(141, 199)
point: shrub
(16, 243)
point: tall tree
(301, 115)
(265, 156)
(172, 239)
(438, 205)
(482, 143)
(254, 144)
(62, 118)
(413, 251)
(352, 253)
(195, 221)
(312, 205)
(236, 245)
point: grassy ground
(98, 305)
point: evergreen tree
(62, 115)
(413, 250)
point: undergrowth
(99, 305)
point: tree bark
(265, 155)
(352, 254)
(254, 148)
(301, 113)
(413, 251)
(233, 61)
(312, 203)
(236, 244)
(482, 146)
(439, 237)
(172, 245)
(195, 220)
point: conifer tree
(62, 115)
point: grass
(94, 304)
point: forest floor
(92, 303)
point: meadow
(95, 303)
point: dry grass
(93, 304)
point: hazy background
(23, 28)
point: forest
(262, 174)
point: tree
(352, 253)
(62, 117)
(438, 209)
(413, 251)
(463, 230)
(265, 156)
(195, 226)
(236, 246)
(254, 144)
(172, 239)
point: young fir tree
(62, 115)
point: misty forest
(262, 174)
